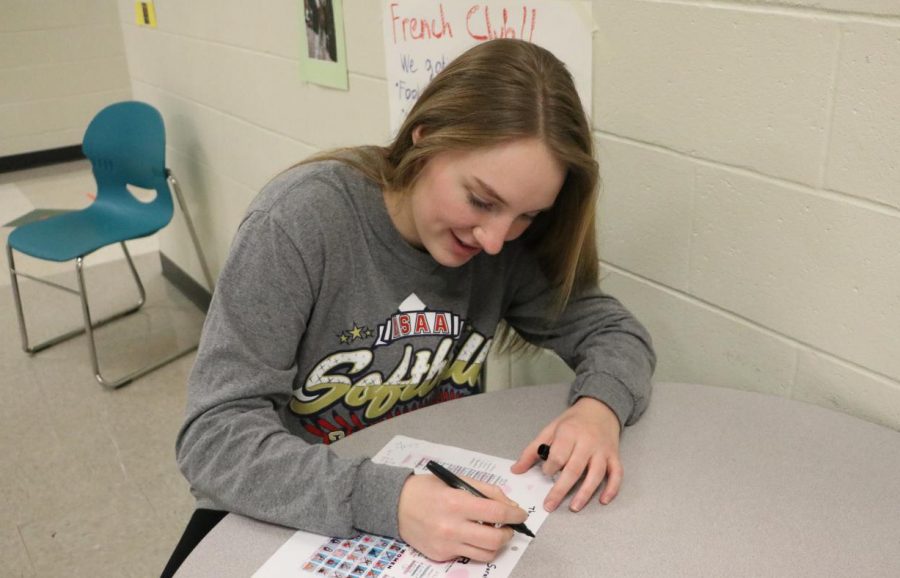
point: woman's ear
(417, 134)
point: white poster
(422, 36)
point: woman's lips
(463, 247)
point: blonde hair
(495, 92)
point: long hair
(496, 92)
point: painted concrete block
(12, 550)
(239, 24)
(41, 47)
(93, 12)
(231, 146)
(828, 382)
(745, 88)
(875, 7)
(644, 214)
(864, 155)
(19, 16)
(267, 91)
(277, 25)
(142, 51)
(497, 371)
(188, 19)
(363, 34)
(49, 81)
(244, 77)
(268, 27)
(257, 154)
(40, 141)
(814, 268)
(27, 119)
(537, 367)
(217, 204)
(324, 117)
(542, 366)
(696, 343)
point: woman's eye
(478, 203)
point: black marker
(454, 481)
(544, 451)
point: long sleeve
(234, 448)
(609, 350)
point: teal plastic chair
(126, 144)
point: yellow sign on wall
(144, 14)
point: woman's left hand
(584, 441)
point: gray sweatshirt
(325, 320)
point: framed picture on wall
(323, 57)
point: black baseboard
(40, 158)
(197, 293)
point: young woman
(373, 281)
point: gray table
(718, 482)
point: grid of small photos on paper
(363, 556)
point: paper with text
(370, 556)
(421, 37)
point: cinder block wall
(750, 154)
(60, 62)
(225, 76)
(751, 215)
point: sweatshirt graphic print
(342, 393)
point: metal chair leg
(89, 324)
(32, 349)
(134, 274)
(89, 327)
(176, 188)
(14, 282)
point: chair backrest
(126, 144)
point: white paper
(422, 36)
(369, 556)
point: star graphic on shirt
(356, 332)
(369, 332)
(344, 338)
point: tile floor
(89, 485)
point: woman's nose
(492, 234)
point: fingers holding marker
(529, 455)
(571, 472)
(543, 451)
(558, 457)
(502, 511)
(592, 473)
(443, 523)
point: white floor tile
(13, 203)
(89, 485)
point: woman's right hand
(445, 523)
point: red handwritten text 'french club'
(479, 24)
(419, 323)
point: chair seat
(71, 235)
